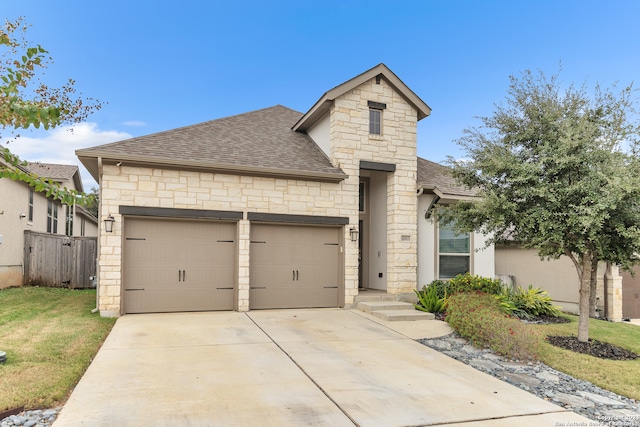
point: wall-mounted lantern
(108, 224)
(353, 232)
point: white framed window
(52, 217)
(454, 252)
(30, 205)
(68, 222)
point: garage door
(178, 265)
(294, 266)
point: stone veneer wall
(151, 187)
(350, 143)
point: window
(68, 222)
(375, 122)
(31, 204)
(454, 252)
(375, 117)
(52, 217)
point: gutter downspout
(95, 310)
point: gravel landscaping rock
(35, 418)
(602, 406)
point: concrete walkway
(326, 367)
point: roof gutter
(113, 158)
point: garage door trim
(296, 219)
(179, 213)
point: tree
(552, 174)
(27, 102)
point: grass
(50, 337)
(621, 377)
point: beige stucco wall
(351, 143)
(558, 277)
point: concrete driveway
(326, 367)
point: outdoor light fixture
(108, 224)
(354, 234)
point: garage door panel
(294, 266)
(178, 265)
(275, 297)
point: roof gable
(56, 172)
(256, 143)
(321, 107)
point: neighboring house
(22, 208)
(523, 267)
(276, 208)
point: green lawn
(621, 377)
(50, 337)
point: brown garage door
(294, 266)
(178, 265)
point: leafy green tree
(556, 170)
(27, 102)
(93, 201)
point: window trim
(469, 254)
(68, 221)
(30, 205)
(52, 217)
(376, 107)
(375, 123)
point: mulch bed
(547, 320)
(594, 348)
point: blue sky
(165, 64)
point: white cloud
(59, 145)
(134, 123)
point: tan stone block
(146, 201)
(148, 186)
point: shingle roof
(52, 170)
(433, 175)
(260, 140)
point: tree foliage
(556, 170)
(27, 102)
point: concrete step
(370, 306)
(364, 297)
(397, 315)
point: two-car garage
(174, 265)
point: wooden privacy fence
(59, 261)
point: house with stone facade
(24, 209)
(278, 209)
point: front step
(397, 315)
(371, 306)
(393, 310)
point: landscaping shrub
(479, 318)
(441, 287)
(429, 299)
(527, 303)
(468, 283)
